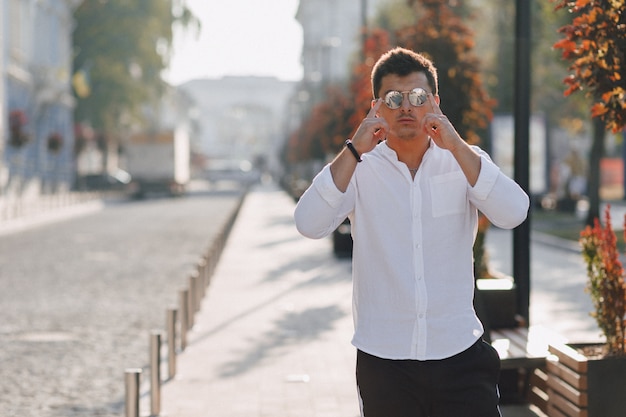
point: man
(411, 187)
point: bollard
(206, 274)
(202, 273)
(191, 301)
(194, 282)
(199, 293)
(184, 320)
(210, 267)
(171, 342)
(155, 373)
(131, 381)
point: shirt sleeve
(322, 207)
(500, 198)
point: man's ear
(437, 99)
(373, 104)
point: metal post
(184, 318)
(207, 272)
(155, 373)
(191, 302)
(521, 234)
(202, 273)
(131, 382)
(210, 261)
(363, 27)
(197, 284)
(171, 342)
(624, 159)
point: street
(80, 297)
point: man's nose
(406, 103)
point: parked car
(241, 172)
(117, 180)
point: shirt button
(421, 316)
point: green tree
(120, 49)
(595, 45)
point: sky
(239, 37)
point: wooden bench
(525, 350)
(520, 347)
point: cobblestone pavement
(79, 298)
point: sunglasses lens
(393, 99)
(418, 97)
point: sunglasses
(417, 97)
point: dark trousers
(464, 385)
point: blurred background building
(332, 39)
(249, 118)
(235, 118)
(37, 102)
(240, 118)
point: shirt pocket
(449, 193)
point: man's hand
(371, 130)
(438, 127)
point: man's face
(405, 121)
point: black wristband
(350, 146)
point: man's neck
(411, 152)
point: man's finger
(374, 109)
(433, 104)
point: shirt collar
(390, 154)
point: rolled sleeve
(487, 178)
(321, 208)
(500, 198)
(325, 186)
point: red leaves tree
(326, 127)
(376, 44)
(441, 33)
(595, 44)
(335, 119)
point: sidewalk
(17, 215)
(273, 335)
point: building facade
(332, 32)
(241, 118)
(332, 36)
(36, 155)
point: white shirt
(412, 255)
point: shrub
(606, 284)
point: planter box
(499, 301)
(584, 387)
(342, 240)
